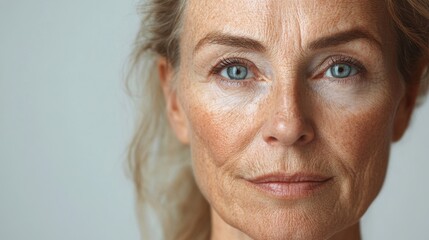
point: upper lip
(289, 178)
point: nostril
(272, 139)
(303, 138)
(288, 138)
(307, 136)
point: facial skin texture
(289, 116)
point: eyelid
(227, 62)
(345, 60)
(337, 59)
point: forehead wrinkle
(272, 25)
(247, 21)
(283, 29)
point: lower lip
(291, 190)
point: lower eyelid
(232, 84)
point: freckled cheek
(366, 131)
(220, 133)
(365, 144)
(214, 136)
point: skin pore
(287, 87)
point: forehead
(293, 21)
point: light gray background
(65, 122)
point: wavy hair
(169, 204)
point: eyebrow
(254, 45)
(342, 38)
(230, 40)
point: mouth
(290, 187)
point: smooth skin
(287, 110)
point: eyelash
(227, 62)
(344, 59)
(332, 61)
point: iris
(236, 72)
(341, 71)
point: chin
(306, 219)
(295, 229)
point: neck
(350, 233)
(222, 230)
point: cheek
(221, 127)
(361, 141)
(214, 133)
(358, 127)
(361, 134)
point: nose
(287, 124)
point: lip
(290, 187)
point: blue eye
(236, 72)
(341, 70)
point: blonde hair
(159, 164)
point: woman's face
(289, 108)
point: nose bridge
(288, 87)
(287, 92)
(286, 100)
